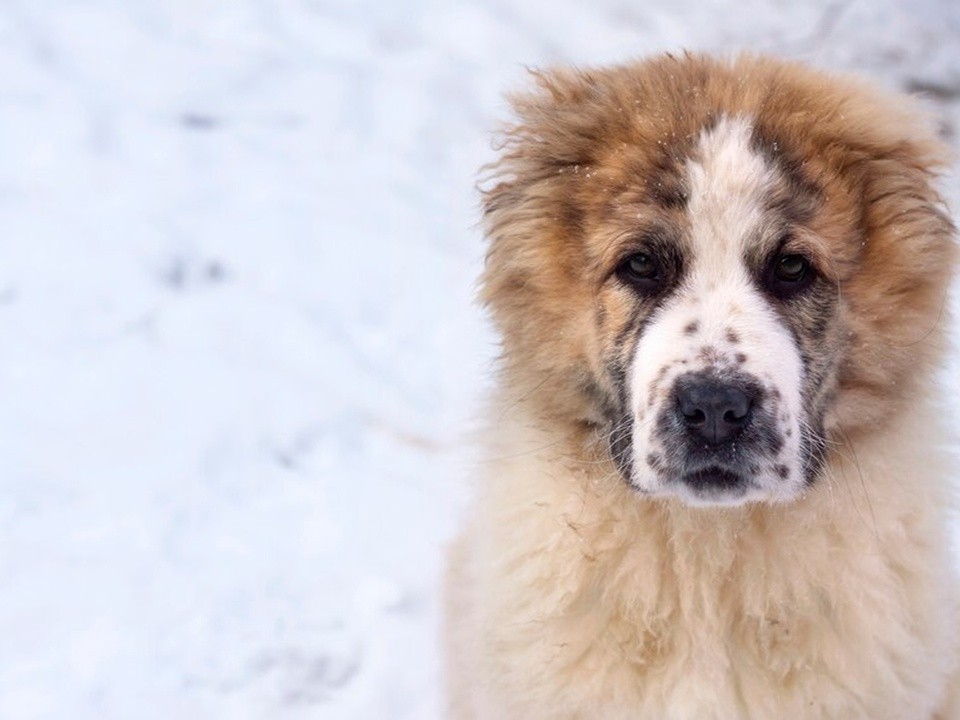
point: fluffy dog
(715, 484)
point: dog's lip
(714, 477)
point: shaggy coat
(577, 590)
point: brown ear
(534, 284)
(898, 296)
(522, 190)
(522, 194)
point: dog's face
(720, 374)
(715, 270)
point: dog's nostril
(712, 410)
(735, 416)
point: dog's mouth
(714, 485)
(714, 478)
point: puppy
(714, 484)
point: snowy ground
(238, 355)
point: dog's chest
(678, 624)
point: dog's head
(722, 269)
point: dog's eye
(641, 266)
(791, 268)
(640, 270)
(789, 274)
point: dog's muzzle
(716, 429)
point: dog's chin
(701, 497)
(716, 487)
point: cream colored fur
(572, 598)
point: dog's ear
(529, 215)
(898, 295)
(554, 133)
(535, 284)
(557, 122)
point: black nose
(712, 410)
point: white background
(238, 352)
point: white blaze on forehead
(728, 180)
(718, 317)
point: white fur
(727, 181)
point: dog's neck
(869, 481)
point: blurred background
(239, 356)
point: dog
(714, 482)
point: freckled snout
(712, 410)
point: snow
(239, 358)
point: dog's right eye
(641, 271)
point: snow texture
(239, 355)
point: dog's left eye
(640, 270)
